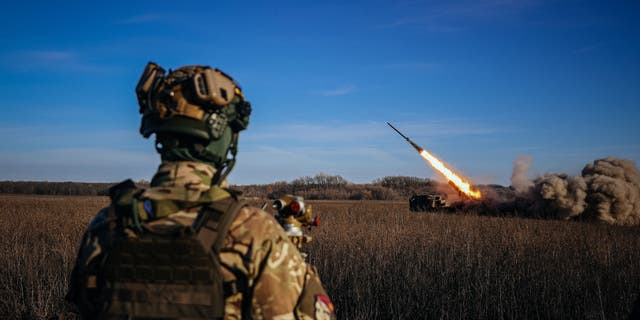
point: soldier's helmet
(195, 112)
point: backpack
(164, 275)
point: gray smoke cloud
(613, 190)
(559, 195)
(519, 178)
(608, 190)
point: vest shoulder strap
(214, 221)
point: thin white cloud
(582, 150)
(586, 49)
(340, 91)
(409, 66)
(449, 16)
(267, 164)
(79, 156)
(50, 55)
(313, 132)
(141, 18)
(59, 60)
(48, 135)
(77, 164)
(485, 8)
(365, 132)
(425, 23)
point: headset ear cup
(244, 108)
(242, 113)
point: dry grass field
(39, 236)
(377, 260)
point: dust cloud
(608, 190)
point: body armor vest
(168, 275)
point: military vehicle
(427, 202)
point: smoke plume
(608, 190)
(559, 196)
(613, 190)
(519, 179)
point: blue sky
(475, 82)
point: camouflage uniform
(256, 251)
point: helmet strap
(226, 168)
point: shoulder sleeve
(82, 282)
(281, 284)
(314, 303)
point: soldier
(187, 247)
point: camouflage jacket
(256, 251)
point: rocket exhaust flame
(462, 185)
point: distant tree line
(59, 188)
(334, 187)
(55, 188)
(319, 187)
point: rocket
(458, 182)
(417, 147)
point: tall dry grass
(380, 261)
(39, 236)
(377, 260)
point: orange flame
(463, 185)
